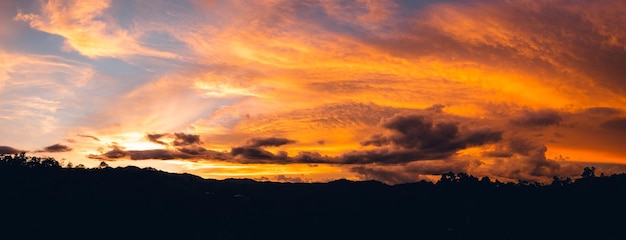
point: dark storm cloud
(313, 157)
(412, 131)
(252, 153)
(269, 142)
(9, 150)
(88, 136)
(540, 165)
(521, 146)
(514, 145)
(539, 118)
(525, 159)
(57, 148)
(249, 155)
(414, 137)
(498, 154)
(618, 124)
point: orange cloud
(87, 29)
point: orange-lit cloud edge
(317, 90)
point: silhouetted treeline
(42, 199)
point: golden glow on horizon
(131, 141)
(583, 155)
(222, 170)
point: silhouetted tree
(157, 204)
(556, 182)
(103, 165)
(446, 178)
(589, 172)
(17, 160)
(50, 163)
(21, 160)
(33, 162)
(485, 180)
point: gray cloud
(283, 178)
(57, 148)
(180, 139)
(617, 124)
(154, 137)
(118, 152)
(252, 153)
(539, 118)
(88, 136)
(183, 139)
(269, 142)
(603, 111)
(9, 150)
(498, 154)
(414, 137)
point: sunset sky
(283, 90)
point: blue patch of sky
(34, 42)
(121, 76)
(316, 14)
(163, 41)
(409, 8)
(123, 12)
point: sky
(316, 90)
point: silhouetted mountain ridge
(42, 199)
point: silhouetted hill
(40, 199)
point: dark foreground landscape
(40, 199)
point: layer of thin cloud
(36, 94)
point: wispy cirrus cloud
(88, 29)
